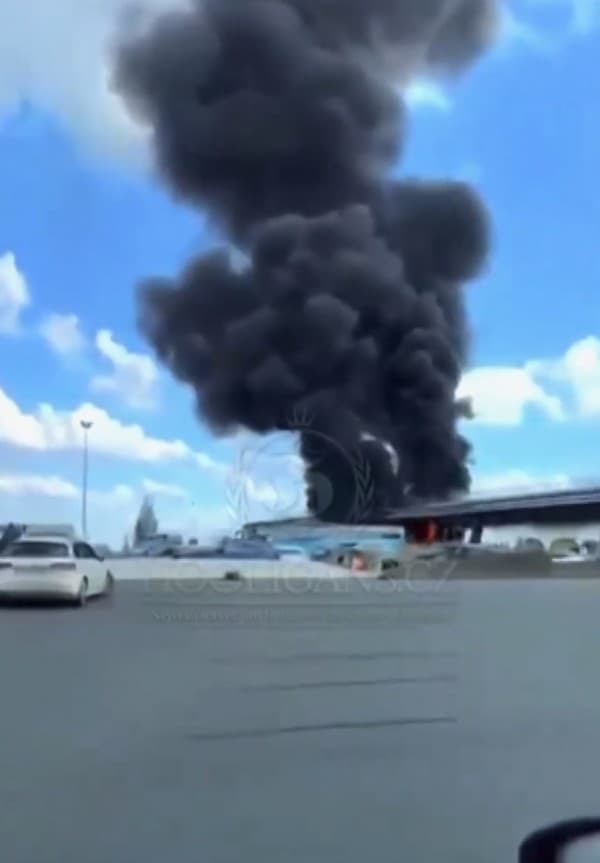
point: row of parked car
(230, 548)
(563, 549)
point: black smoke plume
(283, 118)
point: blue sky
(82, 221)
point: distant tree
(146, 524)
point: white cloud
(268, 480)
(119, 495)
(49, 499)
(35, 484)
(134, 378)
(207, 463)
(260, 492)
(564, 387)
(426, 94)
(57, 56)
(579, 369)
(254, 498)
(56, 487)
(111, 512)
(161, 489)
(14, 293)
(502, 394)
(515, 481)
(63, 334)
(49, 429)
(260, 469)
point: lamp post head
(86, 424)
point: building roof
(571, 506)
(575, 506)
(307, 527)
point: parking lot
(219, 722)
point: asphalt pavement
(300, 722)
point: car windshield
(563, 547)
(36, 549)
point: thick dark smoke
(283, 118)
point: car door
(97, 569)
(90, 566)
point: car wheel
(109, 584)
(82, 596)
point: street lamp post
(86, 426)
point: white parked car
(567, 551)
(53, 567)
(571, 558)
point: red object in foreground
(425, 532)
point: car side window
(83, 551)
